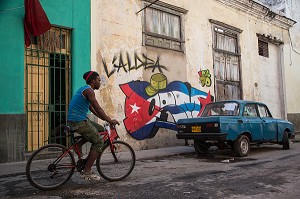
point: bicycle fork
(112, 149)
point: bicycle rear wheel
(49, 168)
(118, 167)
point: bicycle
(52, 165)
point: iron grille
(47, 87)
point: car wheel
(242, 146)
(286, 140)
(201, 147)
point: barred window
(263, 49)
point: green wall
(73, 14)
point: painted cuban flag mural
(158, 104)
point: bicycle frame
(109, 135)
(61, 163)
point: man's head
(92, 78)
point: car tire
(286, 141)
(242, 146)
(201, 147)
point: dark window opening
(263, 49)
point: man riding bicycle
(84, 100)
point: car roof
(240, 101)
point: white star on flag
(134, 108)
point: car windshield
(221, 109)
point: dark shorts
(89, 131)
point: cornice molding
(260, 11)
(269, 39)
(166, 5)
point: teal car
(236, 124)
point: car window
(263, 111)
(250, 110)
(221, 109)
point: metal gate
(47, 87)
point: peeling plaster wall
(292, 66)
(255, 69)
(293, 62)
(117, 31)
(116, 28)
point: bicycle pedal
(87, 178)
(80, 165)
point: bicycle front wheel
(50, 167)
(116, 163)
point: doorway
(47, 87)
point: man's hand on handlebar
(114, 122)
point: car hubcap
(244, 146)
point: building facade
(164, 60)
(36, 82)
(292, 70)
(159, 61)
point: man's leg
(80, 143)
(90, 133)
(99, 127)
(90, 160)
(92, 156)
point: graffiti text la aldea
(142, 61)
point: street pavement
(17, 168)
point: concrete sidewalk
(17, 168)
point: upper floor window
(263, 48)
(225, 40)
(163, 26)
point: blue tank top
(79, 106)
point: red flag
(36, 21)
(137, 110)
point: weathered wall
(12, 142)
(117, 30)
(291, 70)
(292, 66)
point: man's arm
(95, 107)
(93, 111)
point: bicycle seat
(71, 131)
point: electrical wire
(16, 8)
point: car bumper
(203, 136)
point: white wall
(117, 28)
(293, 61)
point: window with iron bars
(263, 48)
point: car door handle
(240, 121)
